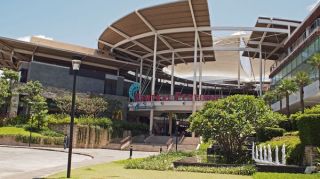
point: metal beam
(192, 29)
(155, 31)
(133, 41)
(206, 49)
(265, 43)
(278, 22)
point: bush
(243, 170)
(136, 128)
(268, 133)
(294, 148)
(159, 162)
(309, 126)
(18, 120)
(50, 133)
(25, 139)
(90, 121)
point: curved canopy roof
(175, 25)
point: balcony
(176, 103)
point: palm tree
(279, 95)
(315, 62)
(287, 87)
(269, 96)
(302, 79)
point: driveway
(34, 163)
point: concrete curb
(47, 149)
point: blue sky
(82, 21)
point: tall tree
(269, 96)
(287, 87)
(302, 79)
(30, 94)
(9, 79)
(229, 121)
(315, 62)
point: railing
(176, 97)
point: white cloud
(312, 6)
(28, 38)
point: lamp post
(75, 67)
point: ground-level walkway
(20, 163)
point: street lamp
(75, 67)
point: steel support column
(194, 93)
(172, 75)
(260, 58)
(153, 82)
(200, 73)
(140, 80)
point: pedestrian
(65, 141)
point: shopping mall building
(165, 60)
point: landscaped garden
(47, 120)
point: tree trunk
(301, 98)
(319, 76)
(280, 104)
(287, 105)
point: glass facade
(299, 63)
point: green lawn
(10, 131)
(261, 175)
(116, 170)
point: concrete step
(157, 140)
(190, 141)
(148, 148)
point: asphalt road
(20, 163)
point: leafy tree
(64, 104)
(302, 79)
(7, 83)
(39, 110)
(269, 96)
(315, 62)
(287, 87)
(86, 106)
(92, 106)
(4, 91)
(36, 104)
(229, 121)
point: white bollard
(283, 150)
(269, 154)
(265, 155)
(277, 155)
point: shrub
(136, 128)
(243, 170)
(159, 162)
(309, 126)
(268, 133)
(51, 133)
(25, 139)
(294, 148)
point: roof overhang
(272, 43)
(176, 25)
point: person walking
(65, 141)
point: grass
(117, 170)
(261, 175)
(13, 131)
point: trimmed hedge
(294, 148)
(309, 127)
(268, 133)
(244, 170)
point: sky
(82, 21)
